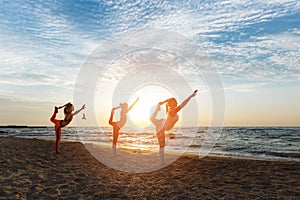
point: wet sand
(30, 169)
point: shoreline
(202, 126)
(31, 169)
(168, 151)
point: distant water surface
(266, 143)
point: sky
(254, 46)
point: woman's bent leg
(52, 119)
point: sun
(149, 96)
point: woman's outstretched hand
(194, 93)
(83, 107)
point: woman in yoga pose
(163, 125)
(119, 124)
(58, 124)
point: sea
(261, 143)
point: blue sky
(254, 44)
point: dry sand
(31, 170)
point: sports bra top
(67, 120)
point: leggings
(116, 129)
(57, 128)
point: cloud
(209, 17)
(245, 87)
(221, 29)
(25, 78)
(274, 57)
(40, 47)
(296, 31)
(52, 40)
(40, 37)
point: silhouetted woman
(119, 124)
(58, 124)
(163, 125)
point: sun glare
(149, 96)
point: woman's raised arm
(186, 101)
(76, 112)
(131, 106)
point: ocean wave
(254, 142)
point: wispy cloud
(245, 87)
(50, 35)
(221, 29)
(28, 79)
(220, 16)
(275, 57)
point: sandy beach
(31, 170)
